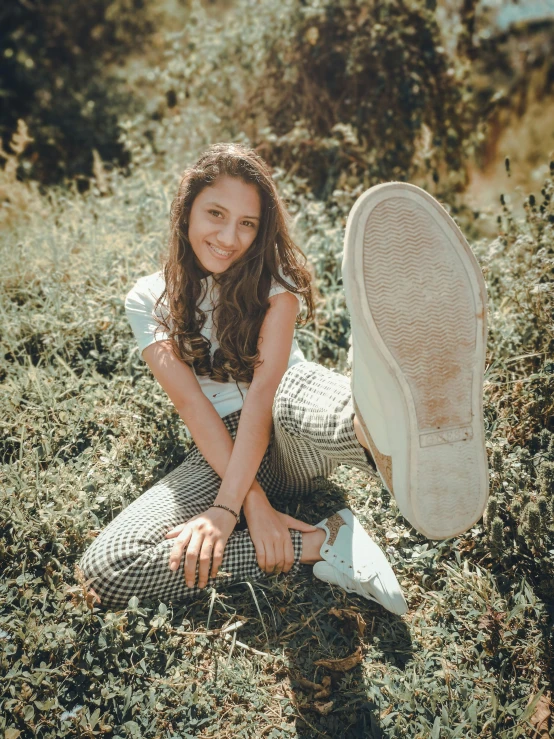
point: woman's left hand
(204, 537)
(269, 531)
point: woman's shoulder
(283, 276)
(147, 288)
(277, 287)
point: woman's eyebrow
(222, 207)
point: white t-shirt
(139, 306)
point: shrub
(335, 92)
(54, 57)
(519, 266)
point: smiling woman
(216, 328)
(228, 223)
(221, 234)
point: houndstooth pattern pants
(313, 433)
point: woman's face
(224, 220)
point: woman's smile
(220, 253)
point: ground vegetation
(84, 428)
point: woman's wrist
(254, 497)
(233, 512)
(232, 502)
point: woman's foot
(417, 301)
(351, 559)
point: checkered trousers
(313, 433)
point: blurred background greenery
(336, 90)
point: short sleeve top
(226, 397)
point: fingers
(289, 555)
(217, 558)
(205, 561)
(270, 558)
(178, 548)
(279, 555)
(260, 555)
(191, 558)
(279, 558)
(296, 524)
(203, 538)
(285, 560)
(175, 532)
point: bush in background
(338, 93)
(53, 76)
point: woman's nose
(227, 235)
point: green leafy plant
(519, 266)
(53, 76)
(339, 93)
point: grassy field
(85, 429)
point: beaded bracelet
(226, 508)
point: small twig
(212, 601)
(305, 720)
(244, 646)
(233, 642)
(216, 632)
(233, 627)
(304, 623)
(249, 584)
(269, 726)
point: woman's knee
(107, 571)
(113, 550)
(88, 574)
(283, 415)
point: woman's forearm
(252, 439)
(212, 437)
(206, 427)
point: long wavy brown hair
(243, 286)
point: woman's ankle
(311, 547)
(359, 433)
(363, 443)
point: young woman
(216, 327)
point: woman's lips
(218, 254)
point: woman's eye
(218, 213)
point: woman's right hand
(202, 540)
(269, 531)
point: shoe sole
(417, 300)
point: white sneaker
(418, 307)
(354, 562)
